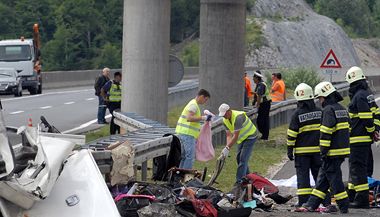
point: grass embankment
(265, 154)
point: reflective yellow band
(338, 152)
(341, 126)
(375, 110)
(351, 186)
(341, 195)
(304, 150)
(376, 122)
(363, 187)
(304, 191)
(362, 115)
(292, 133)
(370, 129)
(318, 193)
(357, 139)
(291, 142)
(311, 127)
(325, 143)
(327, 130)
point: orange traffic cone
(30, 123)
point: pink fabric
(204, 151)
(121, 196)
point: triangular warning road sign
(331, 61)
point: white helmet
(303, 92)
(354, 74)
(324, 89)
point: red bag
(260, 182)
(204, 208)
(204, 150)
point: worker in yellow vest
(241, 131)
(188, 127)
(111, 92)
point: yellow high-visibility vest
(186, 127)
(247, 130)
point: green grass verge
(96, 134)
(174, 114)
(264, 155)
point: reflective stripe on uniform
(341, 196)
(362, 115)
(338, 152)
(291, 142)
(375, 110)
(341, 126)
(247, 129)
(304, 150)
(318, 193)
(377, 122)
(115, 93)
(292, 133)
(351, 186)
(370, 129)
(186, 127)
(310, 127)
(304, 191)
(325, 143)
(363, 187)
(358, 139)
(327, 130)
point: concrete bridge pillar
(146, 29)
(222, 58)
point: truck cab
(24, 56)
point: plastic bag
(204, 150)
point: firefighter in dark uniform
(362, 110)
(303, 140)
(334, 147)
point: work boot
(361, 200)
(343, 205)
(330, 209)
(302, 199)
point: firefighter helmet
(354, 74)
(303, 92)
(324, 89)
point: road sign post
(331, 64)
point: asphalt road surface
(65, 108)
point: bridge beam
(222, 42)
(146, 29)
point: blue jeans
(187, 151)
(243, 154)
(101, 110)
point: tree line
(87, 34)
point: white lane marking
(46, 107)
(89, 99)
(46, 94)
(16, 112)
(85, 125)
(69, 103)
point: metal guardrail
(147, 136)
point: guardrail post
(144, 169)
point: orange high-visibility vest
(278, 91)
(248, 86)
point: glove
(290, 154)
(225, 151)
(376, 136)
(208, 117)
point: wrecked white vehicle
(43, 177)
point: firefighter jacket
(364, 114)
(303, 132)
(335, 129)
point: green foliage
(250, 4)
(190, 54)
(253, 36)
(359, 18)
(294, 77)
(109, 56)
(184, 19)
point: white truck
(24, 55)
